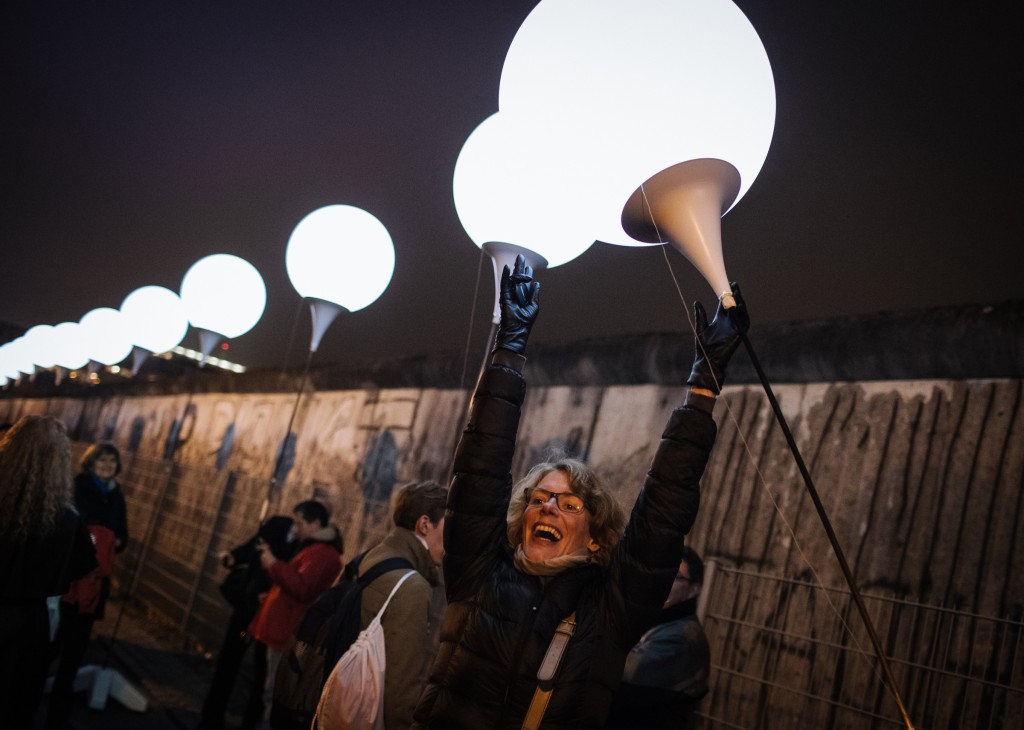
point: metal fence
(790, 654)
(785, 653)
(181, 518)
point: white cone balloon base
(207, 341)
(683, 205)
(102, 683)
(323, 312)
(504, 254)
(139, 356)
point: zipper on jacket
(518, 656)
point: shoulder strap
(384, 566)
(392, 594)
(546, 672)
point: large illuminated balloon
(502, 173)
(511, 198)
(681, 90)
(340, 258)
(224, 297)
(104, 335)
(154, 318)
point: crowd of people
(504, 604)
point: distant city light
(215, 361)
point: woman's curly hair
(35, 477)
(607, 520)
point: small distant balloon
(104, 336)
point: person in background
(44, 545)
(542, 568)
(666, 673)
(243, 587)
(100, 501)
(413, 616)
(295, 584)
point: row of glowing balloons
(222, 296)
(576, 140)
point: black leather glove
(716, 342)
(519, 302)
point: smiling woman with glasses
(548, 586)
(569, 520)
(566, 501)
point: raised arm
(478, 499)
(647, 557)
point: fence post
(190, 604)
(710, 573)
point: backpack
(327, 630)
(353, 695)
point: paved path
(151, 657)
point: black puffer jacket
(500, 621)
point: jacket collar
(329, 535)
(404, 543)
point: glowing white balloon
(665, 81)
(341, 254)
(8, 368)
(105, 337)
(340, 258)
(510, 197)
(223, 294)
(39, 341)
(19, 358)
(507, 191)
(154, 318)
(70, 350)
(647, 87)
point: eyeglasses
(566, 501)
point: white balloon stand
(102, 683)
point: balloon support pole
(830, 532)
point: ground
(150, 655)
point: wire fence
(790, 654)
(181, 519)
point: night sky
(139, 137)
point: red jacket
(86, 592)
(297, 584)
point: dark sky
(140, 136)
